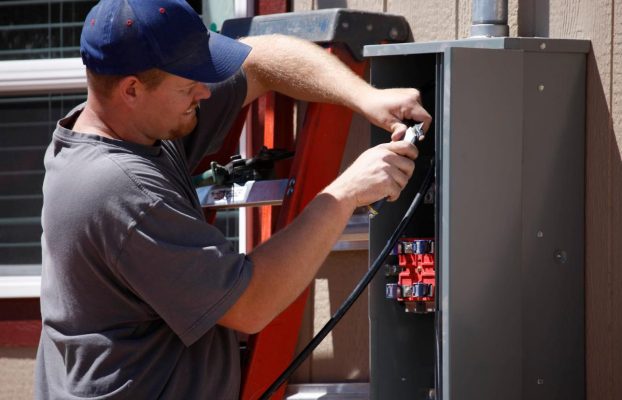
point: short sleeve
(184, 269)
(216, 116)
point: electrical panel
(483, 297)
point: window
(41, 29)
(26, 125)
(41, 79)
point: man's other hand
(388, 108)
(379, 172)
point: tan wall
(601, 22)
(17, 373)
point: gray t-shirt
(134, 279)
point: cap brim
(218, 58)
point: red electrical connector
(415, 285)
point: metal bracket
(249, 194)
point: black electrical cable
(360, 287)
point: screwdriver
(413, 135)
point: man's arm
(286, 263)
(305, 71)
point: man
(140, 297)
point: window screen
(41, 29)
(45, 28)
(26, 125)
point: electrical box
(483, 298)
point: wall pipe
(490, 18)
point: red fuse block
(416, 281)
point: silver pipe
(490, 18)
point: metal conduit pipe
(490, 18)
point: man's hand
(382, 171)
(388, 108)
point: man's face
(169, 110)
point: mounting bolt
(393, 33)
(540, 381)
(560, 256)
(542, 46)
(540, 234)
(345, 25)
(369, 27)
(540, 88)
(290, 186)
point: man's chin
(182, 131)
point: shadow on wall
(343, 356)
(602, 240)
(533, 18)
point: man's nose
(202, 92)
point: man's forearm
(303, 70)
(285, 264)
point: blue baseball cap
(124, 37)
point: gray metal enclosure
(508, 218)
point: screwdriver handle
(413, 135)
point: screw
(345, 25)
(560, 256)
(542, 46)
(541, 88)
(540, 381)
(369, 27)
(393, 33)
(540, 234)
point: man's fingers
(401, 176)
(421, 115)
(415, 110)
(404, 166)
(398, 130)
(427, 121)
(403, 149)
(394, 192)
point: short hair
(104, 84)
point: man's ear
(130, 89)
